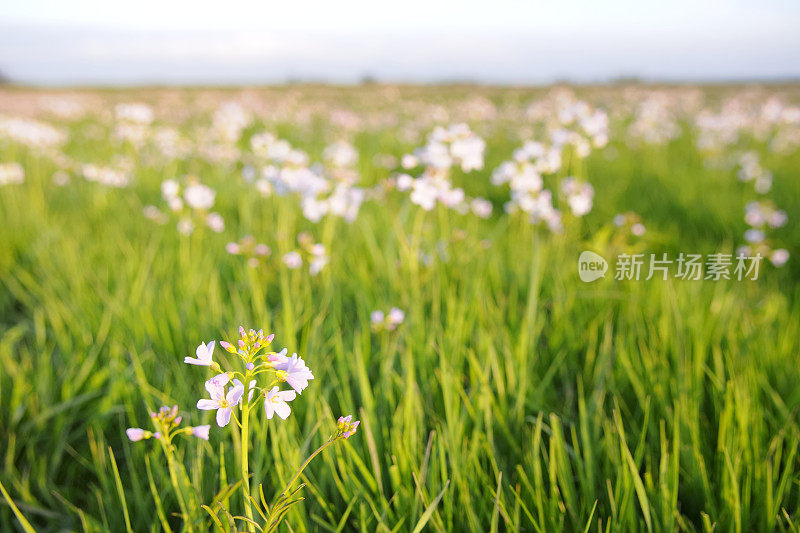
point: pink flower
(201, 432)
(278, 358)
(251, 387)
(276, 403)
(136, 434)
(346, 426)
(221, 401)
(297, 373)
(204, 354)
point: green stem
(246, 464)
(177, 486)
(305, 464)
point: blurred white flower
(185, 226)
(481, 207)
(779, 257)
(293, 260)
(215, 222)
(11, 173)
(199, 196)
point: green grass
(513, 398)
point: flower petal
(287, 395)
(215, 386)
(235, 394)
(223, 416)
(201, 432)
(207, 405)
(283, 410)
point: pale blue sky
(508, 41)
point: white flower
(170, 188)
(579, 195)
(481, 207)
(376, 317)
(135, 434)
(175, 204)
(201, 432)
(340, 154)
(777, 218)
(198, 196)
(204, 352)
(185, 226)
(424, 194)
(396, 316)
(754, 235)
(317, 264)
(293, 260)
(275, 403)
(297, 373)
(134, 112)
(251, 387)
(264, 187)
(11, 173)
(221, 401)
(278, 358)
(779, 257)
(409, 161)
(404, 182)
(215, 222)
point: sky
(125, 42)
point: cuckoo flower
(295, 372)
(137, 434)
(204, 354)
(201, 432)
(167, 424)
(345, 426)
(221, 401)
(276, 403)
(251, 387)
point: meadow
(503, 393)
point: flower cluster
(117, 175)
(310, 252)
(133, 122)
(167, 425)
(448, 147)
(762, 216)
(388, 321)
(630, 222)
(191, 201)
(579, 195)
(655, 121)
(345, 426)
(250, 249)
(234, 394)
(323, 189)
(750, 169)
(456, 146)
(32, 133)
(251, 347)
(11, 173)
(523, 173)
